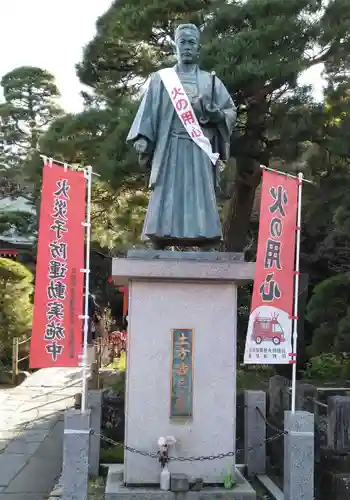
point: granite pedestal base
(181, 291)
(116, 490)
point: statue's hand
(198, 107)
(144, 160)
(141, 145)
(214, 113)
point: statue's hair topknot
(192, 28)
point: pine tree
(29, 107)
(259, 48)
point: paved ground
(31, 432)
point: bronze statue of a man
(182, 129)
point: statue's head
(187, 39)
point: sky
(52, 35)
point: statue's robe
(182, 208)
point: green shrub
(252, 377)
(119, 365)
(328, 311)
(328, 367)
(97, 488)
(119, 385)
(16, 308)
(112, 455)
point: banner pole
(87, 286)
(296, 293)
(286, 174)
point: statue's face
(187, 47)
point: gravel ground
(96, 489)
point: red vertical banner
(269, 336)
(125, 291)
(57, 333)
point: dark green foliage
(29, 107)
(328, 368)
(112, 455)
(16, 290)
(22, 222)
(328, 312)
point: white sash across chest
(184, 111)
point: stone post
(338, 424)
(94, 401)
(277, 386)
(76, 443)
(305, 396)
(299, 456)
(255, 432)
(94, 380)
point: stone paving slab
(10, 467)
(22, 446)
(6, 435)
(3, 444)
(3, 394)
(51, 463)
(32, 436)
(31, 432)
(20, 496)
(10, 403)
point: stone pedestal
(180, 290)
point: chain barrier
(125, 447)
(269, 424)
(186, 459)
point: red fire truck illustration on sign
(267, 328)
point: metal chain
(269, 424)
(125, 447)
(187, 459)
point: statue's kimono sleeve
(153, 121)
(146, 120)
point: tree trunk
(240, 205)
(249, 151)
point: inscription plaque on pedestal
(181, 397)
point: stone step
(116, 490)
(271, 487)
(114, 478)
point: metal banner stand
(296, 293)
(86, 270)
